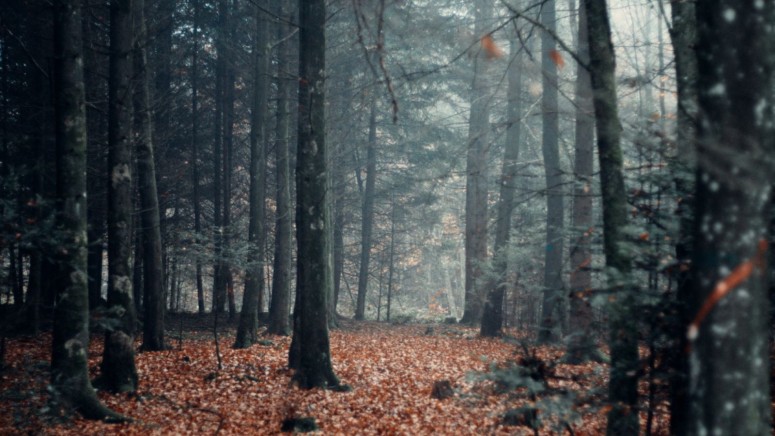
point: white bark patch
(78, 278)
(121, 284)
(718, 90)
(74, 348)
(120, 174)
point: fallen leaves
(392, 370)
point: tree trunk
(153, 277)
(581, 347)
(492, 320)
(623, 392)
(729, 375)
(310, 353)
(279, 308)
(200, 296)
(228, 149)
(367, 212)
(247, 332)
(118, 365)
(219, 283)
(476, 175)
(683, 34)
(69, 370)
(553, 298)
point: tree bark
(219, 282)
(476, 175)
(683, 34)
(279, 309)
(492, 320)
(581, 347)
(153, 277)
(310, 354)
(118, 365)
(247, 332)
(69, 370)
(623, 384)
(200, 296)
(367, 213)
(553, 298)
(728, 353)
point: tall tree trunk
(492, 320)
(279, 308)
(118, 364)
(581, 347)
(476, 174)
(228, 149)
(200, 295)
(683, 34)
(367, 212)
(69, 360)
(247, 332)
(623, 384)
(310, 353)
(219, 282)
(153, 277)
(553, 298)
(729, 374)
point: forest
(387, 217)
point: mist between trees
(593, 176)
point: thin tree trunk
(219, 284)
(153, 279)
(476, 175)
(581, 346)
(195, 155)
(228, 149)
(553, 297)
(247, 332)
(367, 212)
(279, 308)
(492, 320)
(623, 384)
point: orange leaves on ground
(391, 369)
(556, 57)
(491, 49)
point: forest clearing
(390, 368)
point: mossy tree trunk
(310, 354)
(69, 360)
(118, 364)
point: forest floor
(391, 369)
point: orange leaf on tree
(557, 58)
